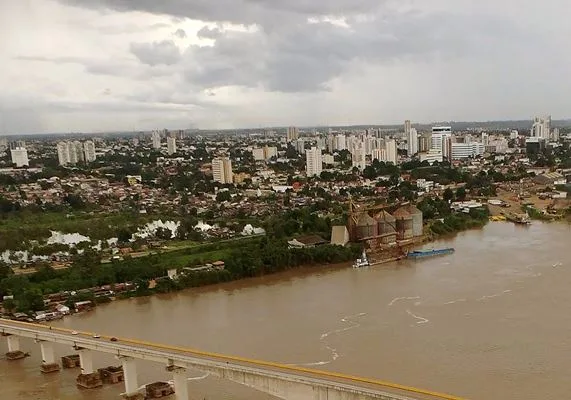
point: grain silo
(403, 223)
(366, 226)
(386, 224)
(417, 221)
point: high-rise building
(358, 157)
(424, 142)
(171, 145)
(331, 143)
(19, 156)
(407, 128)
(341, 142)
(292, 134)
(412, 139)
(485, 138)
(156, 137)
(555, 135)
(63, 153)
(379, 154)
(391, 148)
(222, 170)
(442, 140)
(313, 162)
(541, 127)
(300, 145)
(78, 150)
(89, 150)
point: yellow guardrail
(259, 363)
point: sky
(114, 65)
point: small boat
(429, 253)
(361, 262)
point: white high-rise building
(19, 156)
(313, 162)
(407, 128)
(442, 140)
(63, 153)
(485, 138)
(391, 148)
(292, 134)
(341, 142)
(156, 137)
(78, 150)
(412, 140)
(379, 154)
(222, 170)
(358, 157)
(331, 143)
(541, 127)
(171, 145)
(89, 150)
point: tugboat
(361, 262)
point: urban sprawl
(86, 219)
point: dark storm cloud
(236, 11)
(295, 48)
(156, 53)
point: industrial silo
(366, 226)
(403, 223)
(417, 222)
(386, 224)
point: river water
(491, 321)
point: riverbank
(497, 278)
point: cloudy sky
(97, 65)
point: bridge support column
(14, 352)
(180, 378)
(49, 363)
(88, 378)
(86, 361)
(130, 376)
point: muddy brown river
(491, 321)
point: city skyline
(110, 66)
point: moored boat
(361, 262)
(429, 253)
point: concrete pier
(130, 376)
(88, 379)
(14, 352)
(180, 378)
(49, 363)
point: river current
(491, 321)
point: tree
(223, 195)
(124, 235)
(448, 194)
(9, 305)
(461, 194)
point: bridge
(282, 381)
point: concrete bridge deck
(283, 381)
